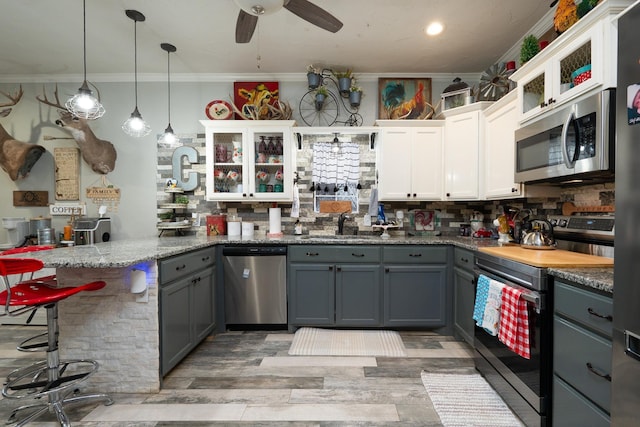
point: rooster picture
(397, 106)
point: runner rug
(329, 342)
(467, 400)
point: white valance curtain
(336, 162)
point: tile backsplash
(451, 214)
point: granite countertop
(124, 253)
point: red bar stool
(54, 381)
(37, 342)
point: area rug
(329, 342)
(467, 400)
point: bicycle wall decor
(328, 91)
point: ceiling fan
(250, 10)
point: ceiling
(44, 37)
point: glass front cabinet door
(249, 160)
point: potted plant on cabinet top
(344, 80)
(313, 77)
(321, 93)
(355, 95)
(530, 48)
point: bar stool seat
(55, 380)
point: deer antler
(50, 103)
(14, 100)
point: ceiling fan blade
(245, 26)
(314, 14)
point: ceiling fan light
(260, 7)
(135, 125)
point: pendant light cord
(135, 59)
(169, 87)
(84, 37)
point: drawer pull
(415, 255)
(312, 254)
(594, 313)
(181, 267)
(594, 371)
(357, 255)
(206, 258)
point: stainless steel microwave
(573, 144)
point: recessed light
(434, 29)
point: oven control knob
(554, 222)
(563, 223)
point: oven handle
(527, 295)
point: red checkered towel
(514, 322)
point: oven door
(528, 379)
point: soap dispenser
(381, 216)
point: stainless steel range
(526, 384)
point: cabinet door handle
(331, 268)
(514, 190)
(448, 194)
(181, 267)
(415, 195)
(594, 313)
(386, 270)
(415, 255)
(543, 104)
(408, 194)
(206, 258)
(357, 255)
(596, 372)
(312, 254)
(338, 268)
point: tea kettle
(540, 236)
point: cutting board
(548, 258)
(331, 206)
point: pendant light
(168, 137)
(135, 125)
(83, 104)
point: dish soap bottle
(381, 216)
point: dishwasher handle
(254, 250)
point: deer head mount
(98, 153)
(16, 157)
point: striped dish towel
(514, 322)
(482, 290)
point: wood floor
(248, 379)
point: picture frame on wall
(404, 98)
(252, 98)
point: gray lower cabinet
(415, 286)
(463, 294)
(334, 286)
(581, 356)
(187, 304)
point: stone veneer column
(111, 327)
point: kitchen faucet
(341, 219)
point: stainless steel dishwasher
(255, 285)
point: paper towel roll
(247, 229)
(274, 220)
(234, 228)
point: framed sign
(67, 174)
(404, 98)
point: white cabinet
(546, 81)
(249, 160)
(501, 121)
(463, 152)
(409, 160)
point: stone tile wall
(451, 214)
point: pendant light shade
(135, 125)
(168, 137)
(83, 104)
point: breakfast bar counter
(121, 330)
